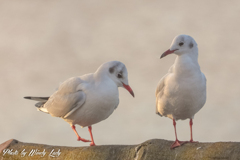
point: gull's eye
(119, 75)
(181, 43)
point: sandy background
(42, 43)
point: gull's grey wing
(68, 98)
(159, 91)
(117, 104)
(160, 86)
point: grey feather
(158, 114)
(160, 86)
(159, 92)
(37, 98)
(66, 99)
(40, 104)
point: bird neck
(100, 75)
(187, 62)
(192, 54)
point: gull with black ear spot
(87, 99)
(119, 74)
(180, 45)
(181, 93)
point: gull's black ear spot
(111, 70)
(191, 45)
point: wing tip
(27, 97)
(158, 114)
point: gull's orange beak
(167, 53)
(129, 89)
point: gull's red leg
(78, 137)
(191, 123)
(177, 143)
(90, 131)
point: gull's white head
(181, 44)
(117, 71)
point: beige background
(42, 43)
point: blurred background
(42, 43)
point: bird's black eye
(119, 75)
(181, 43)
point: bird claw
(177, 143)
(191, 141)
(83, 140)
(92, 144)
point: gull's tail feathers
(40, 104)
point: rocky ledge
(155, 149)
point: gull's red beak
(129, 89)
(167, 53)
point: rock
(155, 149)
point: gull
(87, 99)
(181, 93)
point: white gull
(181, 93)
(87, 99)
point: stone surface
(155, 149)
